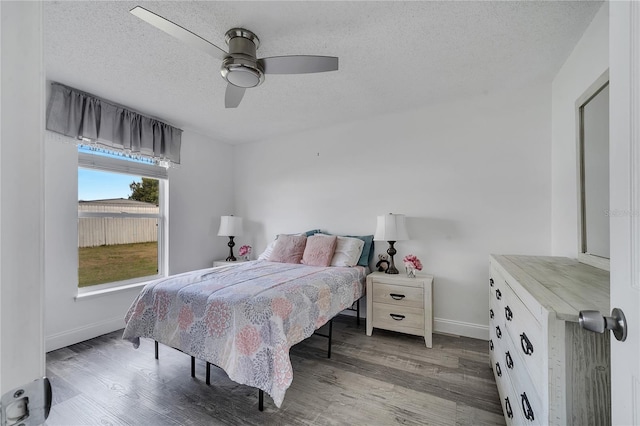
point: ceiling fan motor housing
(241, 67)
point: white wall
(588, 61)
(473, 178)
(199, 193)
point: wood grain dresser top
(560, 284)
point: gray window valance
(84, 116)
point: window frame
(128, 167)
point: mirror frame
(595, 88)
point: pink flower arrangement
(412, 262)
(244, 250)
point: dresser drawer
(496, 312)
(510, 407)
(398, 318)
(518, 372)
(496, 344)
(508, 396)
(528, 402)
(526, 336)
(496, 288)
(398, 295)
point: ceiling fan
(240, 67)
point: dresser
(398, 303)
(548, 370)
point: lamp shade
(391, 227)
(230, 226)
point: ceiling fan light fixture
(240, 66)
(241, 72)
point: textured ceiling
(393, 56)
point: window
(121, 221)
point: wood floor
(388, 378)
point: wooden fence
(100, 231)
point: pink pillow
(319, 250)
(288, 249)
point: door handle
(598, 323)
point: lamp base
(231, 257)
(391, 251)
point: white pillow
(266, 254)
(348, 251)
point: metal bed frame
(260, 391)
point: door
(624, 73)
(21, 198)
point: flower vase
(411, 272)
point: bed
(244, 318)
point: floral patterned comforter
(244, 318)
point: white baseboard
(80, 334)
(459, 328)
(89, 331)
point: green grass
(105, 264)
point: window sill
(102, 292)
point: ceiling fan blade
(298, 64)
(233, 96)
(178, 32)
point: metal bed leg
(193, 366)
(156, 344)
(358, 311)
(208, 373)
(260, 400)
(330, 334)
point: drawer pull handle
(397, 296)
(508, 359)
(490, 313)
(526, 407)
(490, 344)
(498, 294)
(491, 282)
(508, 313)
(498, 369)
(498, 332)
(527, 347)
(507, 408)
(397, 317)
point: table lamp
(230, 226)
(391, 228)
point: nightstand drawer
(398, 295)
(403, 319)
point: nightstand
(225, 262)
(398, 303)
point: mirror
(593, 119)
